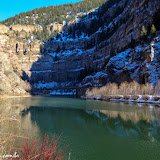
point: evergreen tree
(63, 47)
(153, 29)
(58, 49)
(42, 49)
(56, 58)
(47, 15)
(144, 33)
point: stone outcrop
(3, 29)
(12, 49)
(23, 47)
(19, 45)
(55, 27)
(26, 28)
(10, 79)
(3, 40)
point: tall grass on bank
(9, 132)
(133, 89)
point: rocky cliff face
(13, 49)
(26, 28)
(23, 47)
(136, 64)
(66, 58)
(17, 43)
(70, 56)
(10, 78)
(55, 27)
(3, 29)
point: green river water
(95, 130)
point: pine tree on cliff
(56, 58)
(153, 29)
(63, 46)
(42, 49)
(144, 33)
(58, 49)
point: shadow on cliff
(47, 68)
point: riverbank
(126, 92)
(14, 96)
(127, 99)
(119, 98)
(42, 95)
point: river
(94, 130)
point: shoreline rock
(139, 100)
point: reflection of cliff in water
(112, 118)
(134, 124)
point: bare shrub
(157, 88)
(96, 92)
(116, 97)
(146, 98)
(147, 89)
(124, 88)
(89, 93)
(92, 93)
(47, 150)
(114, 89)
(104, 92)
(126, 97)
(135, 97)
(134, 88)
(108, 90)
(156, 98)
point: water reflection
(140, 124)
(94, 129)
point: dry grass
(9, 132)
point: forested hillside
(105, 21)
(47, 15)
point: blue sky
(9, 8)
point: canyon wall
(65, 59)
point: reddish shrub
(33, 149)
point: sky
(9, 8)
